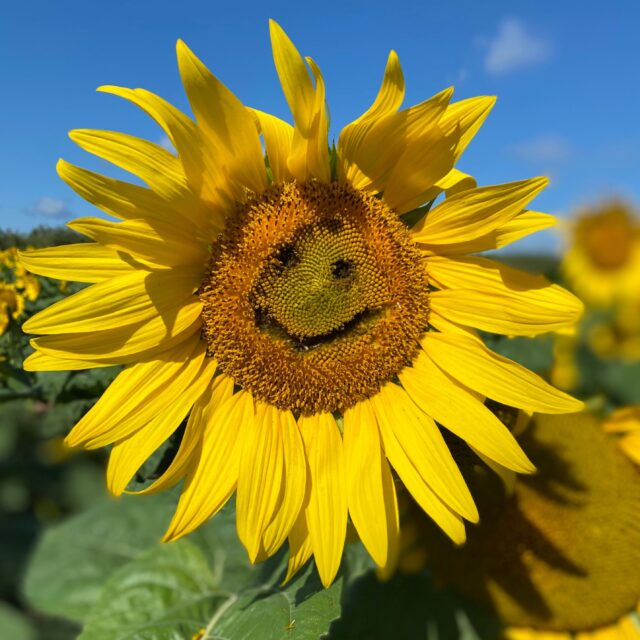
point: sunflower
(288, 311)
(602, 263)
(11, 305)
(557, 555)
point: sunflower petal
(456, 409)
(371, 494)
(466, 359)
(487, 295)
(383, 144)
(152, 163)
(212, 479)
(128, 455)
(294, 77)
(125, 344)
(278, 137)
(83, 262)
(523, 224)
(424, 161)
(190, 449)
(466, 116)
(299, 546)
(139, 394)
(388, 100)
(476, 212)
(449, 521)
(294, 480)
(260, 478)
(152, 241)
(38, 361)
(326, 511)
(226, 124)
(424, 445)
(133, 298)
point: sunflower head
(559, 553)
(265, 288)
(603, 261)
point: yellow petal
(310, 150)
(463, 119)
(466, 117)
(523, 224)
(449, 521)
(299, 546)
(425, 447)
(455, 408)
(260, 478)
(139, 394)
(125, 344)
(133, 298)
(326, 511)
(128, 455)
(152, 163)
(294, 77)
(126, 201)
(424, 161)
(151, 241)
(278, 137)
(212, 479)
(370, 164)
(83, 262)
(388, 100)
(38, 361)
(190, 449)
(476, 212)
(371, 494)
(294, 481)
(487, 295)
(456, 181)
(466, 359)
(226, 124)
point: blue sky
(565, 73)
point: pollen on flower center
(314, 297)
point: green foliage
(40, 236)
(107, 569)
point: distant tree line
(40, 236)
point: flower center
(315, 297)
(608, 239)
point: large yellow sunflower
(290, 314)
(602, 262)
(557, 555)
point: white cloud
(546, 149)
(50, 208)
(514, 48)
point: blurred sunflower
(289, 310)
(11, 305)
(557, 555)
(602, 263)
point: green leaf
(171, 593)
(167, 594)
(15, 625)
(107, 568)
(74, 559)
